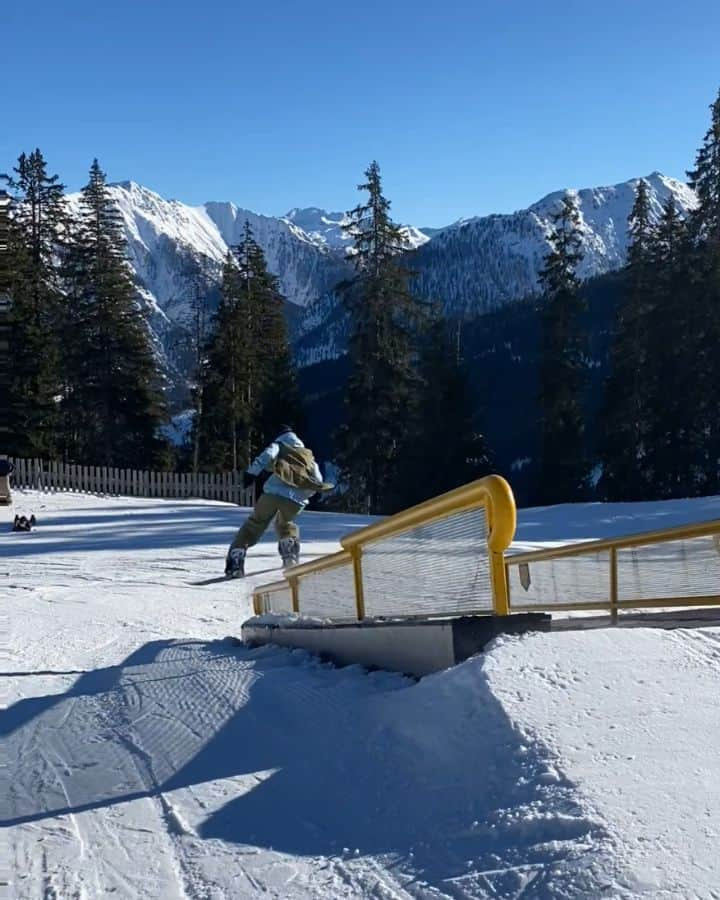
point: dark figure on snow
(6, 468)
(295, 478)
(22, 523)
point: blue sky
(470, 107)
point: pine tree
(112, 400)
(626, 412)
(703, 306)
(563, 475)
(669, 360)
(383, 385)
(444, 446)
(705, 181)
(35, 238)
(7, 430)
(193, 346)
(248, 378)
(280, 396)
(277, 391)
(225, 409)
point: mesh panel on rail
(689, 567)
(329, 593)
(573, 579)
(435, 568)
(277, 601)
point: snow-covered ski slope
(144, 756)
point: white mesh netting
(684, 568)
(666, 570)
(329, 593)
(277, 601)
(433, 569)
(572, 579)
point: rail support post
(295, 592)
(498, 579)
(358, 579)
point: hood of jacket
(290, 439)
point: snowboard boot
(289, 550)
(235, 563)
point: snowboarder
(6, 468)
(295, 478)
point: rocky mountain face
(176, 251)
(471, 267)
(326, 229)
(479, 264)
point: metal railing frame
(612, 545)
(494, 494)
(491, 493)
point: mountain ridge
(471, 266)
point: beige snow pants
(267, 507)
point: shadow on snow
(126, 527)
(432, 772)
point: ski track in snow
(149, 756)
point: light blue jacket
(275, 485)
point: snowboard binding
(235, 563)
(289, 550)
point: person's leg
(250, 533)
(5, 489)
(287, 512)
(287, 531)
(257, 522)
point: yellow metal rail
(259, 594)
(494, 496)
(331, 561)
(492, 493)
(641, 539)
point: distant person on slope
(6, 468)
(295, 478)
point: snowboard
(218, 578)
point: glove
(248, 479)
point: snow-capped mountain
(470, 267)
(478, 264)
(326, 228)
(171, 243)
(176, 249)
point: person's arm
(264, 460)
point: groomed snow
(146, 756)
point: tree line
(412, 426)
(659, 425)
(85, 383)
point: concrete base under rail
(415, 647)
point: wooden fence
(58, 476)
